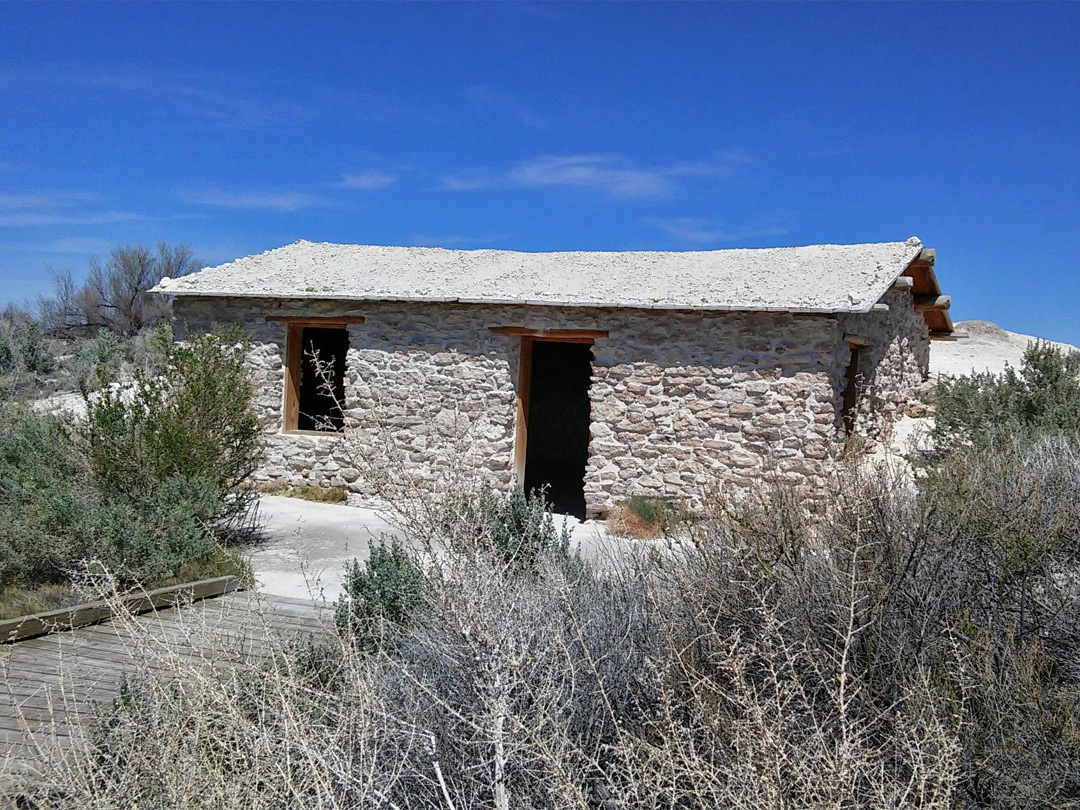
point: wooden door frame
(529, 337)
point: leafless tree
(114, 295)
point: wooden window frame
(294, 356)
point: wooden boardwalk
(52, 683)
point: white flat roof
(815, 278)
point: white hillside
(981, 346)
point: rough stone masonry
(682, 402)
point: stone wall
(682, 402)
(891, 368)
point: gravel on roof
(815, 278)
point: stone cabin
(599, 375)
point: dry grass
(903, 649)
(622, 522)
(306, 492)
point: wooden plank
(293, 357)
(38, 624)
(856, 340)
(53, 684)
(323, 323)
(564, 335)
(521, 427)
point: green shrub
(381, 596)
(1042, 398)
(519, 527)
(154, 480)
(24, 349)
(54, 513)
(194, 420)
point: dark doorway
(557, 447)
(852, 383)
(322, 394)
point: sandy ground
(980, 346)
(310, 543)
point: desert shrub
(648, 516)
(1042, 397)
(518, 527)
(26, 355)
(194, 420)
(623, 690)
(381, 596)
(23, 347)
(970, 584)
(54, 514)
(904, 648)
(155, 479)
(107, 358)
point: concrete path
(310, 543)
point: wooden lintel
(926, 303)
(879, 308)
(856, 340)
(568, 335)
(308, 320)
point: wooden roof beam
(932, 303)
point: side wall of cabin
(681, 402)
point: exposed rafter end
(903, 284)
(932, 303)
(926, 256)
(879, 308)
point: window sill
(312, 433)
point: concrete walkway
(310, 543)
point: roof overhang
(926, 292)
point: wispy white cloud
(704, 232)
(366, 181)
(45, 198)
(255, 200)
(487, 100)
(22, 219)
(72, 245)
(22, 209)
(612, 175)
(187, 95)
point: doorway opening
(556, 410)
(852, 384)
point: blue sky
(237, 128)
